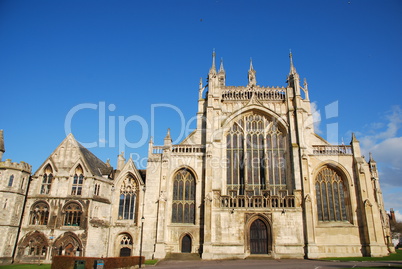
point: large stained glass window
(331, 195)
(183, 207)
(256, 155)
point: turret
(2, 149)
(373, 167)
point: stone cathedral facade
(252, 179)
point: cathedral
(253, 179)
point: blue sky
(129, 57)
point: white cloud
(398, 216)
(385, 144)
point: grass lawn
(392, 257)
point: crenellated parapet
(234, 93)
(22, 166)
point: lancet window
(331, 196)
(78, 181)
(10, 181)
(47, 180)
(39, 214)
(128, 198)
(256, 156)
(183, 207)
(73, 213)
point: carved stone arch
(186, 242)
(39, 213)
(67, 244)
(124, 244)
(185, 167)
(33, 245)
(227, 123)
(266, 219)
(73, 213)
(335, 166)
(48, 168)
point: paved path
(280, 264)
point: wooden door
(186, 244)
(258, 237)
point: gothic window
(73, 214)
(256, 156)
(128, 197)
(183, 207)
(97, 189)
(10, 181)
(39, 214)
(331, 196)
(78, 181)
(47, 180)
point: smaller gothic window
(331, 196)
(10, 181)
(39, 214)
(128, 197)
(73, 214)
(97, 189)
(46, 183)
(78, 181)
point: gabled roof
(77, 152)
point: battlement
(22, 166)
(231, 93)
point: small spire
(2, 149)
(305, 84)
(221, 69)
(354, 139)
(251, 64)
(292, 67)
(213, 68)
(168, 134)
(371, 157)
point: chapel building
(252, 179)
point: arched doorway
(259, 243)
(186, 244)
(125, 245)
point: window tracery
(47, 180)
(78, 181)
(73, 213)
(128, 197)
(256, 156)
(331, 196)
(39, 214)
(183, 206)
